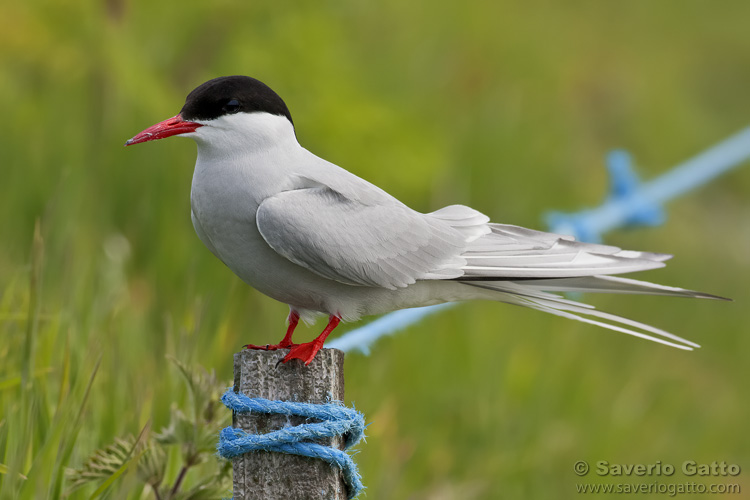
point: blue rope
(336, 420)
(362, 338)
(635, 203)
(625, 205)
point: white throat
(243, 134)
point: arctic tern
(322, 240)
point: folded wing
(386, 245)
(516, 252)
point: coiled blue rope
(336, 420)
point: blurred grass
(509, 107)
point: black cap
(228, 95)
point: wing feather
(386, 245)
(516, 252)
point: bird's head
(226, 111)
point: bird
(324, 241)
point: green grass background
(509, 107)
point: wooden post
(268, 475)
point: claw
(269, 347)
(286, 342)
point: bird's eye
(232, 106)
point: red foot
(307, 351)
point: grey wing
(386, 245)
(502, 251)
(514, 252)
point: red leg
(286, 342)
(306, 352)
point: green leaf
(4, 470)
(212, 487)
(152, 466)
(102, 464)
(67, 444)
(110, 463)
(204, 389)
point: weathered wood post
(269, 475)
